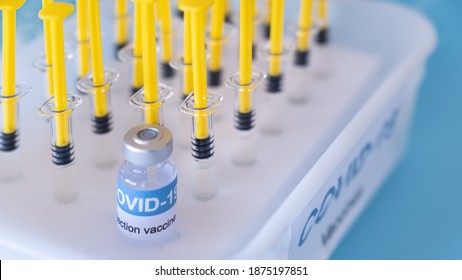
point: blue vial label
(146, 203)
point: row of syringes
(197, 73)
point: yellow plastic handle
(304, 25)
(9, 8)
(54, 14)
(245, 54)
(121, 22)
(196, 10)
(148, 31)
(163, 7)
(216, 34)
(96, 53)
(276, 35)
(83, 37)
(137, 82)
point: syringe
(83, 38)
(98, 83)
(48, 56)
(10, 93)
(133, 53)
(275, 56)
(323, 34)
(137, 82)
(121, 16)
(216, 42)
(302, 51)
(167, 34)
(244, 83)
(150, 98)
(200, 104)
(267, 20)
(183, 65)
(58, 108)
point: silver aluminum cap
(148, 144)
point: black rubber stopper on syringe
(202, 148)
(228, 18)
(266, 31)
(102, 125)
(134, 90)
(301, 58)
(274, 83)
(180, 13)
(183, 96)
(62, 155)
(166, 70)
(214, 78)
(244, 121)
(9, 141)
(117, 48)
(323, 36)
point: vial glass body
(146, 199)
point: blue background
(418, 212)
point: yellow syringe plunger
(9, 94)
(54, 14)
(121, 23)
(245, 55)
(188, 84)
(48, 58)
(167, 34)
(216, 41)
(267, 20)
(276, 37)
(59, 107)
(323, 34)
(197, 9)
(255, 23)
(228, 12)
(83, 37)
(99, 80)
(151, 90)
(153, 95)
(137, 82)
(304, 32)
(179, 12)
(200, 104)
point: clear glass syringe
(200, 105)
(244, 83)
(59, 107)
(97, 83)
(10, 93)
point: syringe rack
(261, 211)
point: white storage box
(297, 201)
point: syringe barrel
(228, 59)
(61, 128)
(101, 124)
(276, 67)
(245, 148)
(185, 76)
(9, 118)
(203, 183)
(138, 101)
(202, 121)
(171, 39)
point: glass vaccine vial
(147, 191)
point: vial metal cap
(148, 144)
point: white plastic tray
(260, 211)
